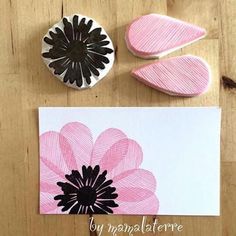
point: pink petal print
(137, 178)
(148, 206)
(132, 159)
(51, 156)
(111, 166)
(80, 141)
(50, 175)
(104, 142)
(133, 194)
(49, 188)
(47, 203)
(114, 155)
(186, 76)
(156, 35)
(68, 153)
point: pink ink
(153, 35)
(117, 157)
(186, 76)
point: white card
(149, 161)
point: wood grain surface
(26, 84)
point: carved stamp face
(78, 51)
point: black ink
(78, 50)
(87, 193)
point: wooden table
(26, 84)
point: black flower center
(87, 192)
(77, 51)
(86, 196)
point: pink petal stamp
(186, 76)
(153, 35)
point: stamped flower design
(87, 193)
(79, 176)
(76, 50)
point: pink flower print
(78, 176)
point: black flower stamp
(78, 51)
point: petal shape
(49, 188)
(186, 76)
(149, 206)
(114, 155)
(137, 178)
(47, 204)
(133, 194)
(60, 65)
(104, 142)
(80, 140)
(68, 29)
(132, 160)
(48, 175)
(156, 35)
(51, 154)
(73, 75)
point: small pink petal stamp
(79, 176)
(153, 35)
(185, 76)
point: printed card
(141, 161)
